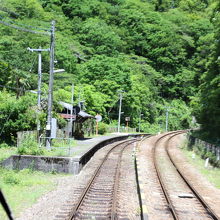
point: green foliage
(201, 151)
(160, 53)
(29, 146)
(102, 128)
(16, 115)
(4, 145)
(193, 5)
(26, 8)
(11, 179)
(209, 109)
(100, 37)
(6, 151)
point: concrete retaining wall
(71, 165)
(42, 163)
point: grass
(60, 147)
(212, 174)
(23, 188)
(59, 152)
(6, 152)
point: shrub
(102, 129)
(200, 150)
(3, 145)
(11, 178)
(29, 146)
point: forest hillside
(163, 54)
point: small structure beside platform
(74, 120)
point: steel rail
(140, 196)
(116, 185)
(209, 210)
(163, 187)
(81, 198)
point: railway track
(99, 199)
(183, 201)
(105, 195)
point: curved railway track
(173, 182)
(99, 198)
(105, 195)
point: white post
(167, 116)
(71, 118)
(119, 113)
(39, 94)
(206, 162)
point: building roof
(66, 105)
(80, 117)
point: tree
(209, 115)
(15, 115)
(97, 35)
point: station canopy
(79, 117)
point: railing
(122, 129)
(209, 147)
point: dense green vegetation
(208, 103)
(160, 53)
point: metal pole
(97, 128)
(167, 117)
(79, 97)
(50, 91)
(39, 50)
(139, 127)
(71, 118)
(39, 94)
(119, 114)
(139, 123)
(39, 79)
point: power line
(23, 29)
(14, 25)
(25, 25)
(18, 89)
(9, 12)
(33, 27)
(10, 87)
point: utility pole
(71, 118)
(139, 127)
(119, 113)
(39, 50)
(50, 91)
(167, 117)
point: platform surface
(82, 146)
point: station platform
(79, 155)
(83, 146)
